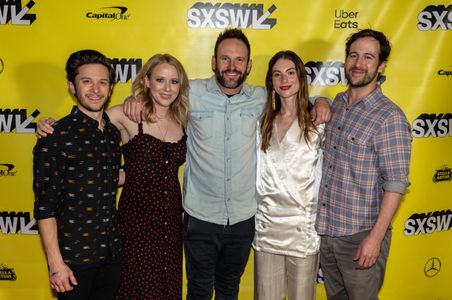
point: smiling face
(285, 78)
(92, 88)
(163, 84)
(362, 64)
(231, 65)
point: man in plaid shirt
(365, 174)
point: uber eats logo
(12, 10)
(435, 17)
(433, 125)
(222, 15)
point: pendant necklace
(161, 131)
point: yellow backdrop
(36, 37)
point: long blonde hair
(303, 104)
(179, 108)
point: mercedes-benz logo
(432, 267)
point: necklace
(161, 131)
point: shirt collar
(213, 87)
(84, 118)
(369, 100)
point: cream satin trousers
(274, 275)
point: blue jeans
(216, 256)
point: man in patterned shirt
(365, 174)
(75, 180)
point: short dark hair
(85, 57)
(385, 45)
(233, 33)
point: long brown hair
(179, 108)
(303, 105)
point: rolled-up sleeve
(393, 145)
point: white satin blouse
(288, 178)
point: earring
(273, 100)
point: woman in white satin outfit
(288, 176)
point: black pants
(98, 281)
(216, 257)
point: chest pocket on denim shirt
(202, 123)
(248, 120)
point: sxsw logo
(111, 13)
(12, 10)
(223, 15)
(126, 69)
(17, 119)
(325, 73)
(426, 223)
(435, 17)
(13, 222)
(427, 125)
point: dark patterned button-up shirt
(367, 152)
(75, 181)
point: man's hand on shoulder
(133, 109)
(44, 127)
(321, 112)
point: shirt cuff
(395, 187)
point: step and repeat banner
(37, 36)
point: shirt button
(326, 185)
(339, 128)
(166, 162)
(323, 204)
(330, 166)
(334, 147)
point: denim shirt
(220, 172)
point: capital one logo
(435, 17)
(13, 11)
(223, 15)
